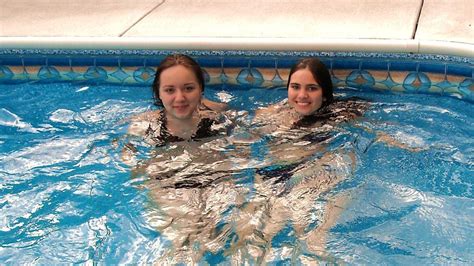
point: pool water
(66, 196)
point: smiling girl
(186, 115)
(310, 100)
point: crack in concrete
(141, 18)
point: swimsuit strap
(337, 111)
(163, 136)
(204, 129)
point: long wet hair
(320, 74)
(171, 61)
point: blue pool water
(67, 197)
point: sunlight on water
(392, 187)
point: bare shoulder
(267, 110)
(141, 122)
(215, 106)
(146, 116)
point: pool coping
(242, 44)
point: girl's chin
(183, 115)
(304, 110)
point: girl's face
(180, 92)
(304, 93)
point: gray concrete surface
(445, 20)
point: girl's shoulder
(274, 108)
(142, 122)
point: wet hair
(171, 61)
(320, 74)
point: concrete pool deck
(297, 20)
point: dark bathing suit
(160, 135)
(337, 112)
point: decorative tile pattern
(120, 75)
(96, 74)
(144, 75)
(5, 73)
(49, 73)
(446, 75)
(416, 81)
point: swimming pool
(67, 197)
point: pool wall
(406, 66)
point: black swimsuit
(159, 134)
(336, 112)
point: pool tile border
(391, 72)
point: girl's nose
(302, 93)
(179, 95)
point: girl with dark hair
(185, 114)
(310, 99)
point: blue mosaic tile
(374, 65)
(24, 75)
(96, 74)
(154, 61)
(144, 74)
(277, 80)
(235, 62)
(72, 75)
(460, 70)
(107, 61)
(11, 61)
(327, 62)
(48, 73)
(417, 82)
(59, 61)
(403, 66)
(120, 74)
(360, 78)
(336, 80)
(432, 67)
(346, 64)
(133, 61)
(285, 54)
(223, 77)
(250, 77)
(389, 82)
(34, 61)
(6, 73)
(207, 78)
(288, 62)
(467, 87)
(417, 64)
(209, 62)
(82, 61)
(264, 63)
(445, 84)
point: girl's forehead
(178, 72)
(303, 75)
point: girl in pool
(310, 101)
(177, 175)
(186, 115)
(302, 167)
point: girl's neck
(183, 128)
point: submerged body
(68, 197)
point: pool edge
(268, 44)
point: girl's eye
(313, 88)
(189, 88)
(169, 90)
(294, 86)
